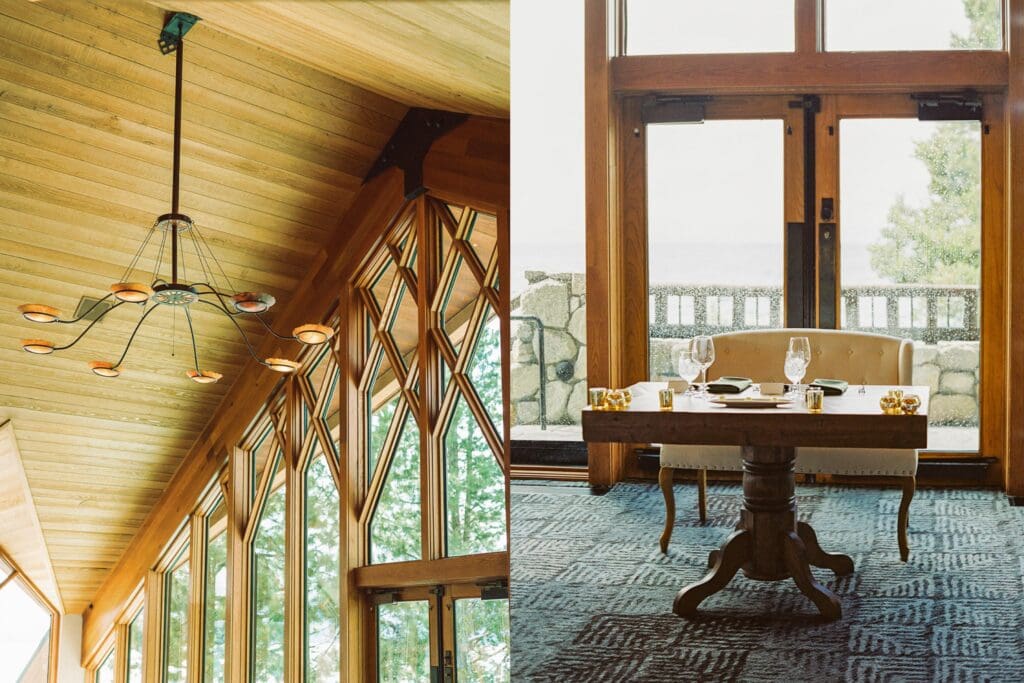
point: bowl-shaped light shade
(104, 368)
(253, 302)
(38, 313)
(40, 346)
(313, 334)
(282, 365)
(204, 376)
(131, 292)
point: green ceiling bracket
(178, 24)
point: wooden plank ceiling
(273, 152)
(442, 54)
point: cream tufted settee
(857, 357)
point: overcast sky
(547, 124)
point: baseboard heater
(549, 453)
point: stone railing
(942, 320)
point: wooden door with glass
(879, 213)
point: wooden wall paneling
(605, 461)
(152, 665)
(1014, 382)
(811, 72)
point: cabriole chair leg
(909, 486)
(665, 482)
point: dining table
(769, 542)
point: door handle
(827, 208)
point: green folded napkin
(729, 385)
(831, 387)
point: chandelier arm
(132, 338)
(245, 338)
(271, 329)
(75, 320)
(192, 333)
(89, 327)
(220, 298)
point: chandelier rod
(192, 333)
(178, 62)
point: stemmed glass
(689, 368)
(798, 357)
(702, 349)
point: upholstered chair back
(857, 357)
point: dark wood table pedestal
(769, 543)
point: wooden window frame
(614, 83)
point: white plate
(752, 402)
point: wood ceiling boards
(273, 152)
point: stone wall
(558, 301)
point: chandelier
(203, 284)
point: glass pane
(382, 284)
(482, 640)
(404, 325)
(383, 400)
(135, 648)
(104, 674)
(474, 488)
(706, 263)
(176, 657)
(697, 26)
(403, 642)
(913, 25)
(911, 229)
(323, 574)
(461, 292)
(485, 369)
(268, 592)
(24, 633)
(483, 236)
(215, 602)
(395, 529)
(265, 449)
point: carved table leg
(796, 559)
(728, 561)
(840, 564)
(769, 545)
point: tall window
(215, 595)
(176, 621)
(104, 674)
(24, 627)
(913, 25)
(695, 26)
(268, 575)
(135, 647)
(323, 521)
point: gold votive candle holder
(896, 393)
(890, 405)
(597, 397)
(814, 398)
(910, 404)
(627, 394)
(666, 397)
(616, 400)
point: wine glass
(703, 349)
(800, 353)
(795, 369)
(689, 368)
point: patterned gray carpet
(592, 593)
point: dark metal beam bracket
(411, 142)
(177, 25)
